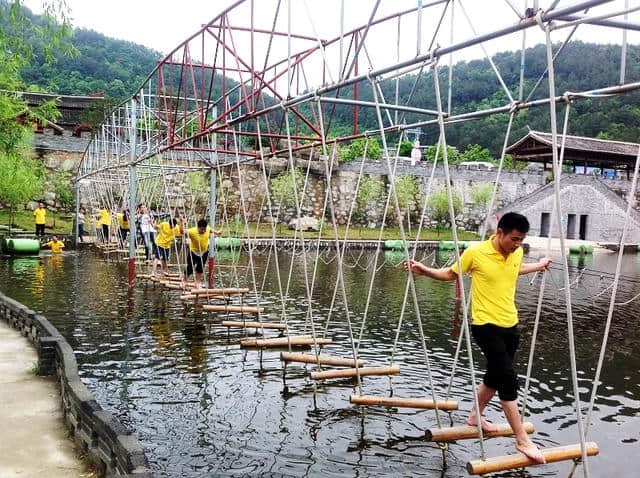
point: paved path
(34, 441)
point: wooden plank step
(400, 402)
(520, 460)
(466, 432)
(352, 372)
(172, 286)
(254, 325)
(233, 308)
(296, 340)
(225, 291)
(322, 359)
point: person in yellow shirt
(55, 244)
(198, 250)
(123, 226)
(167, 232)
(495, 265)
(105, 220)
(40, 216)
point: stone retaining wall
(100, 436)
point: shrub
(62, 188)
(405, 148)
(282, 187)
(481, 194)
(406, 189)
(356, 150)
(439, 206)
(370, 191)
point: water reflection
(201, 405)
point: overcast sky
(163, 25)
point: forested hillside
(117, 68)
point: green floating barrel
(22, 246)
(581, 249)
(3, 245)
(395, 257)
(394, 244)
(450, 245)
(228, 243)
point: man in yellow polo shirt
(55, 244)
(105, 220)
(40, 215)
(495, 265)
(198, 250)
(167, 232)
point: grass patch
(57, 223)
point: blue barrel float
(24, 247)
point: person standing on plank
(55, 244)
(495, 265)
(167, 232)
(40, 216)
(105, 220)
(148, 231)
(123, 227)
(198, 250)
(80, 219)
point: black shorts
(499, 345)
(161, 253)
(196, 262)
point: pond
(201, 405)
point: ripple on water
(202, 406)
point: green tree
(481, 194)
(439, 206)
(62, 188)
(405, 148)
(453, 155)
(282, 189)
(407, 190)
(370, 191)
(21, 180)
(356, 150)
(475, 152)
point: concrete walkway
(34, 441)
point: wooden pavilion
(580, 151)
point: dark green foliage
(405, 148)
(356, 149)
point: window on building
(571, 226)
(583, 227)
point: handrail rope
(452, 215)
(346, 233)
(607, 327)
(545, 274)
(406, 250)
(572, 352)
(340, 279)
(298, 215)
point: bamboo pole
(353, 372)
(322, 359)
(233, 308)
(400, 402)
(284, 341)
(467, 432)
(228, 290)
(251, 325)
(519, 460)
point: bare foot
(531, 451)
(487, 426)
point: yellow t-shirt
(123, 224)
(56, 246)
(40, 215)
(493, 283)
(166, 235)
(105, 217)
(198, 243)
